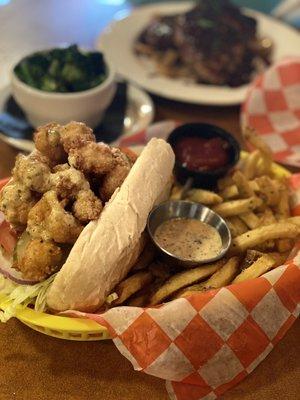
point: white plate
(139, 115)
(118, 39)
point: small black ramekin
(205, 179)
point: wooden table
(38, 367)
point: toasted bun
(107, 248)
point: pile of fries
(255, 203)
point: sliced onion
(11, 273)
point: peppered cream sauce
(189, 239)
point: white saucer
(139, 115)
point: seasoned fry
(145, 258)
(268, 190)
(242, 184)
(283, 206)
(266, 246)
(279, 258)
(203, 196)
(284, 245)
(239, 227)
(251, 163)
(236, 207)
(250, 257)
(220, 278)
(294, 220)
(131, 285)
(138, 301)
(250, 219)
(234, 232)
(225, 182)
(259, 235)
(229, 192)
(183, 279)
(259, 267)
(159, 270)
(257, 142)
(267, 217)
(176, 193)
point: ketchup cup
(218, 163)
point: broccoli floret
(62, 70)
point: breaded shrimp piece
(93, 158)
(33, 171)
(48, 220)
(87, 206)
(116, 176)
(68, 182)
(40, 260)
(48, 141)
(76, 134)
(15, 202)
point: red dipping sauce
(201, 154)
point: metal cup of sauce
(185, 239)
(204, 153)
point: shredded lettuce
(14, 297)
(110, 298)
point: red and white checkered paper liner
(205, 344)
(272, 107)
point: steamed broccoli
(62, 70)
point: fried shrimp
(16, 200)
(116, 176)
(87, 206)
(33, 171)
(93, 158)
(48, 220)
(39, 260)
(68, 182)
(76, 134)
(48, 141)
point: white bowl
(86, 106)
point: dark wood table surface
(38, 367)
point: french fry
(250, 219)
(184, 279)
(268, 189)
(284, 245)
(145, 258)
(250, 164)
(283, 206)
(239, 226)
(234, 232)
(131, 285)
(250, 257)
(254, 186)
(159, 270)
(279, 258)
(266, 246)
(220, 278)
(294, 220)
(203, 196)
(138, 301)
(267, 217)
(257, 142)
(255, 237)
(176, 192)
(229, 192)
(236, 207)
(242, 184)
(262, 265)
(225, 182)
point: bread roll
(107, 248)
